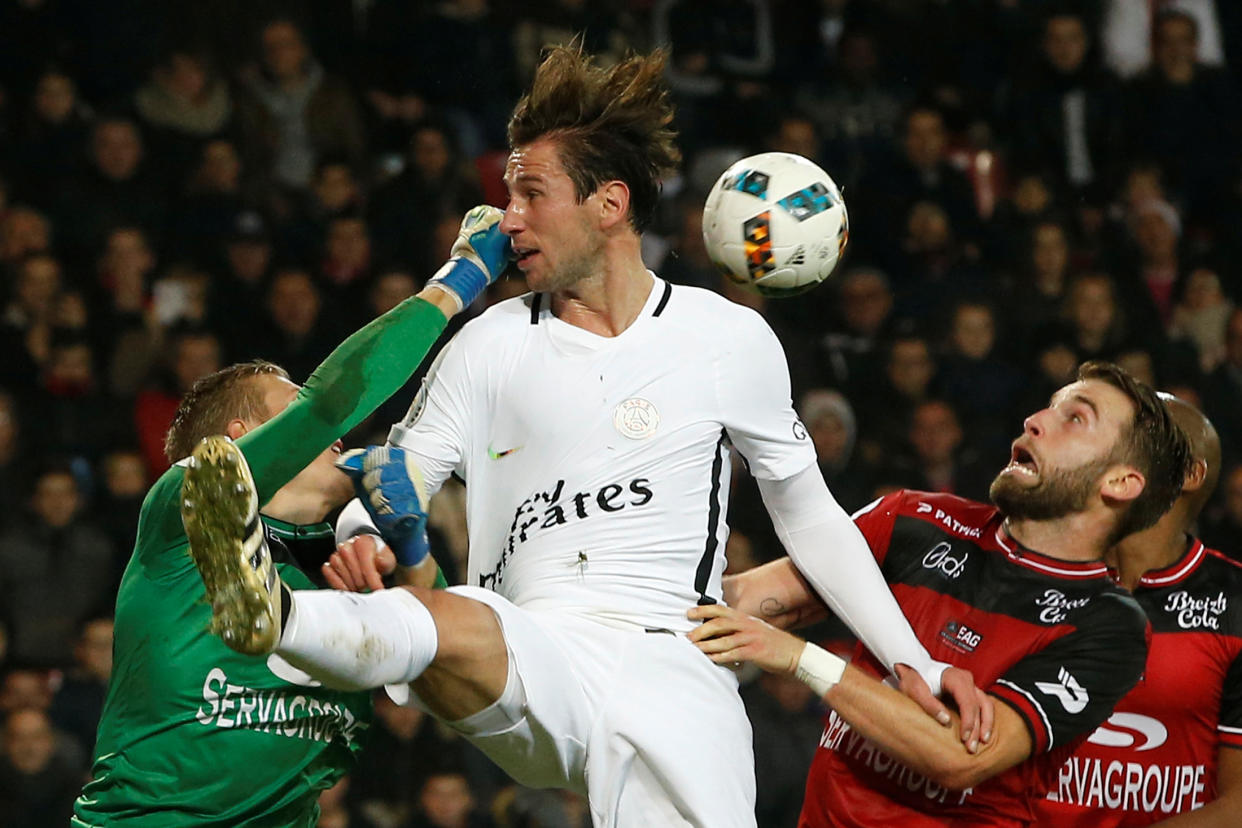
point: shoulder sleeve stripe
(865, 509)
(668, 291)
(1030, 711)
(1226, 729)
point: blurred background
(1030, 184)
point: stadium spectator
(447, 802)
(78, 701)
(55, 571)
(292, 113)
(915, 170)
(1201, 316)
(117, 187)
(850, 355)
(190, 354)
(856, 107)
(37, 779)
(1222, 525)
(1064, 113)
(786, 720)
(298, 333)
(1222, 392)
(51, 141)
(1185, 114)
(184, 103)
(435, 182)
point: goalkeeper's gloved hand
(390, 486)
(479, 256)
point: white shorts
(644, 724)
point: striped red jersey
(1057, 641)
(1156, 755)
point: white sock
(350, 641)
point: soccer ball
(775, 223)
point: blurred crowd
(1030, 184)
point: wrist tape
(819, 669)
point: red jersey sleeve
(875, 521)
(1068, 688)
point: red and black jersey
(1156, 755)
(1057, 641)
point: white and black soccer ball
(776, 224)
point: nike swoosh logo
(496, 455)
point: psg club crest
(636, 418)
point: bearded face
(1058, 492)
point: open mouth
(523, 255)
(1022, 462)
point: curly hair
(610, 124)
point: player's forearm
(363, 371)
(833, 556)
(775, 592)
(424, 574)
(905, 732)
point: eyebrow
(525, 178)
(1080, 398)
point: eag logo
(960, 637)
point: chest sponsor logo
(290, 712)
(1055, 606)
(960, 637)
(555, 507)
(1196, 612)
(1130, 731)
(942, 558)
(948, 521)
(1066, 689)
(1136, 787)
(636, 418)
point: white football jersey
(597, 468)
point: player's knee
(467, 630)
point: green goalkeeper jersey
(193, 733)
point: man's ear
(1122, 484)
(614, 202)
(236, 428)
(1197, 475)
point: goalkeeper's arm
(377, 360)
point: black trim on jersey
(668, 291)
(535, 302)
(704, 572)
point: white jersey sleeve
(435, 429)
(758, 415)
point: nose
(511, 223)
(1033, 425)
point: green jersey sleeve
(364, 370)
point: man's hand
(390, 486)
(359, 565)
(728, 636)
(976, 708)
(478, 257)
